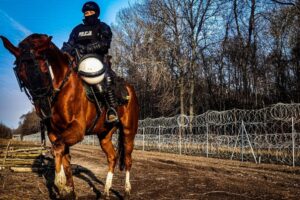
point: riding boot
(111, 114)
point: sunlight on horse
(61, 100)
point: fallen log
(26, 169)
(23, 154)
(21, 164)
(27, 149)
(24, 158)
(21, 160)
(8, 166)
(6, 152)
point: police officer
(94, 36)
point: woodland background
(191, 56)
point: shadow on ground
(47, 171)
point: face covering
(90, 20)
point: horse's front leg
(68, 191)
(63, 172)
(108, 148)
(60, 175)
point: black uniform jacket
(94, 38)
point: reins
(51, 94)
(57, 90)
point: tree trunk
(181, 88)
(191, 102)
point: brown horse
(58, 94)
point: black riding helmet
(91, 5)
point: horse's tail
(121, 149)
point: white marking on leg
(127, 183)
(60, 179)
(108, 183)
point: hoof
(106, 194)
(67, 193)
(127, 195)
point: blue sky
(18, 19)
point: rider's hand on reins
(70, 58)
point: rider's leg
(111, 115)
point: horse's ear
(45, 44)
(48, 42)
(49, 39)
(10, 47)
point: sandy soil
(160, 176)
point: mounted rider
(94, 37)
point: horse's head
(33, 71)
(32, 67)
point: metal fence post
(207, 128)
(252, 150)
(180, 133)
(293, 140)
(144, 139)
(242, 146)
(159, 137)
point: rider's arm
(103, 44)
(68, 46)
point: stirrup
(111, 115)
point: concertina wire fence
(268, 135)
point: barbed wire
(269, 135)
(277, 112)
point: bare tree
(5, 132)
(186, 57)
(29, 124)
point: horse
(58, 94)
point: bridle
(40, 94)
(33, 92)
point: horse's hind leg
(108, 148)
(128, 147)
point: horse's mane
(36, 36)
(33, 41)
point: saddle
(118, 88)
(102, 86)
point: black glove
(78, 51)
(67, 47)
(93, 47)
(80, 48)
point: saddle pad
(121, 91)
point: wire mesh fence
(268, 135)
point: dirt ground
(161, 176)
